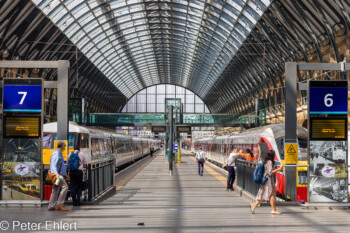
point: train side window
(95, 148)
(302, 177)
(84, 140)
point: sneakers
(230, 189)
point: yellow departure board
(326, 128)
(22, 127)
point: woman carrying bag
(267, 191)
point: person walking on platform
(267, 191)
(76, 160)
(200, 160)
(58, 167)
(231, 169)
(151, 149)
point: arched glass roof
(139, 43)
(152, 100)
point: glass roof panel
(138, 43)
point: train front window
(302, 177)
(302, 149)
(48, 140)
(280, 146)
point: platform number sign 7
(24, 93)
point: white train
(218, 148)
(270, 137)
(98, 145)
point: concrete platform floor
(184, 202)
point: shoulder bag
(51, 177)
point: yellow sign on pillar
(179, 156)
(291, 152)
(64, 153)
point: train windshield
(302, 149)
(49, 140)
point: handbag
(51, 177)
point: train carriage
(98, 145)
(273, 136)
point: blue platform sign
(328, 100)
(175, 147)
(22, 98)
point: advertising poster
(328, 171)
(21, 169)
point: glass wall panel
(190, 99)
(170, 89)
(141, 107)
(161, 99)
(141, 99)
(161, 89)
(189, 108)
(199, 108)
(160, 107)
(151, 108)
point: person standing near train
(231, 169)
(250, 155)
(200, 160)
(151, 149)
(267, 191)
(76, 160)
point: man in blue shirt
(58, 167)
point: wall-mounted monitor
(328, 129)
(22, 127)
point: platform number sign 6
(24, 93)
(328, 101)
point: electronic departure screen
(23, 127)
(328, 128)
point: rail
(245, 172)
(100, 178)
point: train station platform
(154, 201)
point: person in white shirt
(200, 160)
(231, 169)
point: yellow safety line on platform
(211, 171)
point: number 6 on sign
(328, 101)
(24, 93)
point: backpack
(200, 157)
(74, 162)
(259, 174)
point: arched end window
(152, 100)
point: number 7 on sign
(24, 93)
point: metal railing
(245, 172)
(286, 189)
(100, 178)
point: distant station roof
(137, 43)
